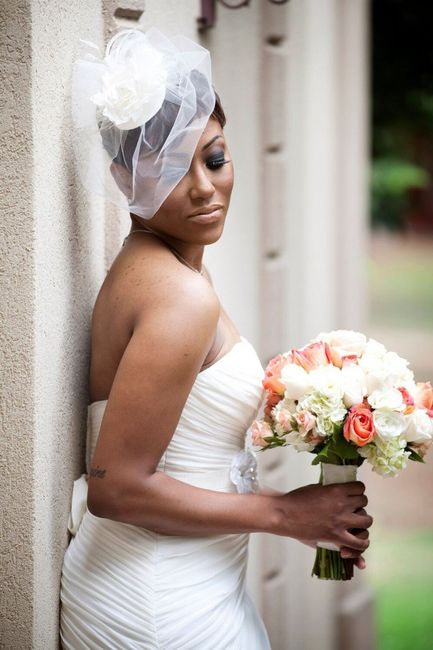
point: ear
(122, 177)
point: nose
(201, 186)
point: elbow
(96, 505)
(117, 502)
(101, 500)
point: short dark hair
(156, 132)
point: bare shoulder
(150, 278)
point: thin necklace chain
(173, 250)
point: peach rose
(424, 395)
(284, 419)
(359, 427)
(305, 420)
(259, 430)
(272, 373)
(312, 356)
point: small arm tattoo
(98, 473)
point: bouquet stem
(329, 565)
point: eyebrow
(210, 142)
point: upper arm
(170, 341)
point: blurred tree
(402, 113)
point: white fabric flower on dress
(243, 472)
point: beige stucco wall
(16, 333)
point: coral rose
(271, 400)
(424, 395)
(359, 427)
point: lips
(207, 217)
(209, 210)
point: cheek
(225, 182)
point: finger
(355, 487)
(356, 520)
(350, 540)
(360, 533)
(349, 553)
(358, 501)
(360, 562)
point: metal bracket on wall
(128, 13)
(207, 16)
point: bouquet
(345, 399)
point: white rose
(354, 385)
(327, 380)
(133, 86)
(374, 348)
(388, 424)
(396, 367)
(346, 342)
(296, 381)
(387, 398)
(419, 427)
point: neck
(192, 253)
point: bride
(158, 558)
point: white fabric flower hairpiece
(134, 84)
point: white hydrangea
(324, 405)
(387, 457)
(324, 426)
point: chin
(210, 235)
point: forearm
(171, 507)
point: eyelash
(216, 163)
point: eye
(216, 161)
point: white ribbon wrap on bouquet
(336, 474)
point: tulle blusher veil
(136, 168)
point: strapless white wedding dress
(124, 587)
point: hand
(347, 552)
(327, 513)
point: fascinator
(138, 114)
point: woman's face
(206, 186)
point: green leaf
(415, 456)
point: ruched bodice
(124, 586)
